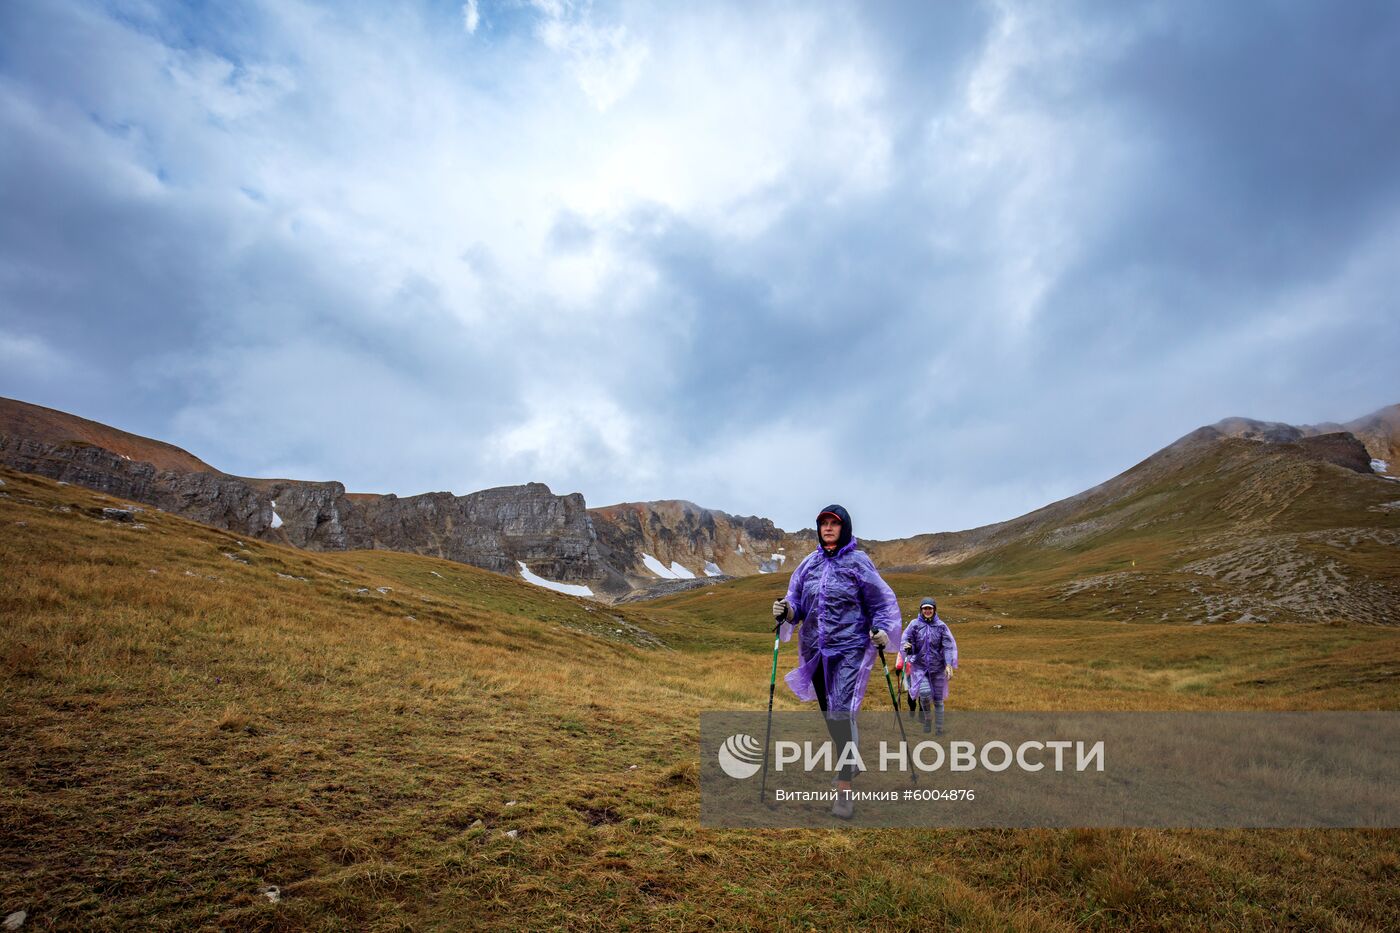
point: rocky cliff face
(1380, 432)
(211, 498)
(493, 529)
(699, 542)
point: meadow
(395, 742)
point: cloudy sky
(943, 263)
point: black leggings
(840, 725)
(937, 702)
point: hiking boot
(845, 806)
(928, 727)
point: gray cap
(927, 601)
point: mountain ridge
(641, 549)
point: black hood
(846, 532)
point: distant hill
(1239, 521)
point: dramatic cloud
(943, 263)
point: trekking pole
(767, 734)
(899, 720)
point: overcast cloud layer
(943, 263)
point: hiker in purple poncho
(932, 655)
(849, 613)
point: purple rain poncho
(840, 598)
(934, 649)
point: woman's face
(926, 611)
(830, 530)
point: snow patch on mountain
(571, 589)
(711, 570)
(276, 519)
(680, 572)
(658, 568)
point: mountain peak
(1275, 432)
(1379, 432)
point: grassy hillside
(188, 718)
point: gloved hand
(879, 638)
(948, 671)
(908, 649)
(782, 610)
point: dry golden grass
(182, 729)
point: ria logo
(740, 756)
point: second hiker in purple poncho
(932, 656)
(849, 612)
